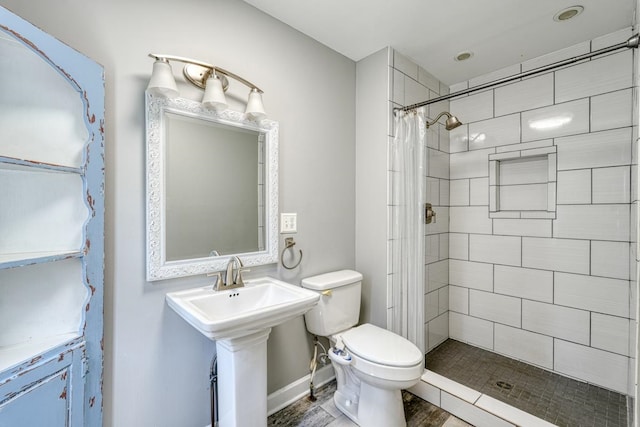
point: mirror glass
(211, 189)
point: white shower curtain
(408, 158)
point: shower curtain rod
(631, 43)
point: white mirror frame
(158, 268)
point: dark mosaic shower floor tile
(552, 397)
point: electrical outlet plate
(288, 223)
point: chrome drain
(504, 385)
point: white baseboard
(297, 389)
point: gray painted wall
(156, 366)
(371, 184)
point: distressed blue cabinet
(51, 230)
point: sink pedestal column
(242, 380)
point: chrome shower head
(452, 122)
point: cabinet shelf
(30, 258)
(52, 294)
(12, 163)
(42, 211)
(13, 355)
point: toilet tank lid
(331, 280)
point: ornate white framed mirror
(212, 189)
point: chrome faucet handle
(218, 284)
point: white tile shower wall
(553, 292)
(412, 84)
(520, 344)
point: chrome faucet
(233, 276)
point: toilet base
(375, 407)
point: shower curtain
(408, 176)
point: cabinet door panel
(36, 407)
(49, 394)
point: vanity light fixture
(214, 80)
(162, 82)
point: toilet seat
(381, 346)
(383, 354)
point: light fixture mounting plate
(198, 75)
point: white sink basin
(259, 305)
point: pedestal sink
(240, 320)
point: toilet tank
(339, 305)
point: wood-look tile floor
(324, 413)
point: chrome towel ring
(288, 244)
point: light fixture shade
(214, 94)
(255, 108)
(162, 82)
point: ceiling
(433, 32)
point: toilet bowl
(375, 365)
(372, 365)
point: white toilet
(371, 364)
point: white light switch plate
(288, 223)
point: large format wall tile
(459, 246)
(470, 164)
(562, 322)
(599, 294)
(570, 118)
(556, 254)
(589, 364)
(597, 222)
(503, 130)
(467, 329)
(610, 333)
(574, 187)
(612, 185)
(524, 283)
(522, 227)
(476, 275)
(602, 75)
(470, 219)
(459, 299)
(611, 110)
(495, 249)
(528, 94)
(494, 307)
(474, 107)
(519, 344)
(595, 150)
(610, 259)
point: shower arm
(444, 113)
(631, 43)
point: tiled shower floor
(552, 397)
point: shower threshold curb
(471, 405)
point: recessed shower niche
(522, 182)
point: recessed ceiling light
(463, 56)
(568, 13)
